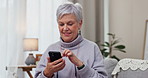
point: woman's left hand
(72, 57)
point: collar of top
(75, 42)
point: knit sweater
(87, 51)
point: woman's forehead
(67, 17)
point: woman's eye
(70, 24)
(61, 24)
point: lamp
(30, 44)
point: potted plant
(109, 47)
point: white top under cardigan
(87, 51)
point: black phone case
(54, 55)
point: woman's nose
(65, 27)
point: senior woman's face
(68, 27)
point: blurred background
(36, 19)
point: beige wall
(93, 22)
(127, 21)
(89, 22)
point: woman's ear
(80, 24)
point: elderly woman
(81, 58)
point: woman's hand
(53, 67)
(72, 58)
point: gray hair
(70, 8)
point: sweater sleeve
(97, 70)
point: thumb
(48, 58)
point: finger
(57, 61)
(48, 58)
(70, 54)
(60, 65)
(67, 52)
(63, 53)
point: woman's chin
(67, 39)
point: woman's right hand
(53, 67)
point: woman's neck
(73, 43)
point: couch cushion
(110, 64)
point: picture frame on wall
(145, 56)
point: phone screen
(54, 55)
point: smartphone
(54, 55)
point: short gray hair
(70, 8)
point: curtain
(42, 23)
(49, 32)
(12, 28)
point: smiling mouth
(66, 34)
